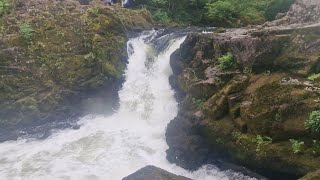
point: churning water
(113, 147)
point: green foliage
(314, 77)
(26, 31)
(161, 16)
(215, 12)
(4, 7)
(221, 11)
(297, 146)
(236, 135)
(219, 141)
(198, 102)
(278, 118)
(313, 122)
(261, 141)
(94, 11)
(247, 11)
(226, 62)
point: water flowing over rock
(247, 113)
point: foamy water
(115, 146)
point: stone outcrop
(301, 12)
(248, 112)
(57, 58)
(154, 173)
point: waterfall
(115, 146)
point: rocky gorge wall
(245, 95)
(59, 59)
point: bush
(226, 62)
(297, 146)
(4, 7)
(161, 16)
(228, 12)
(313, 122)
(26, 31)
(221, 12)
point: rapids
(112, 147)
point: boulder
(154, 173)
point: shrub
(226, 62)
(161, 16)
(26, 31)
(221, 11)
(313, 122)
(297, 146)
(4, 7)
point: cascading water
(115, 146)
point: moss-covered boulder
(57, 55)
(264, 86)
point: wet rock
(154, 173)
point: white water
(110, 148)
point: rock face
(312, 176)
(154, 173)
(58, 57)
(245, 95)
(303, 11)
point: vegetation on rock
(297, 146)
(313, 122)
(226, 62)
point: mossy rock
(74, 50)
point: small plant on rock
(219, 141)
(297, 146)
(261, 141)
(26, 31)
(314, 77)
(226, 62)
(313, 122)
